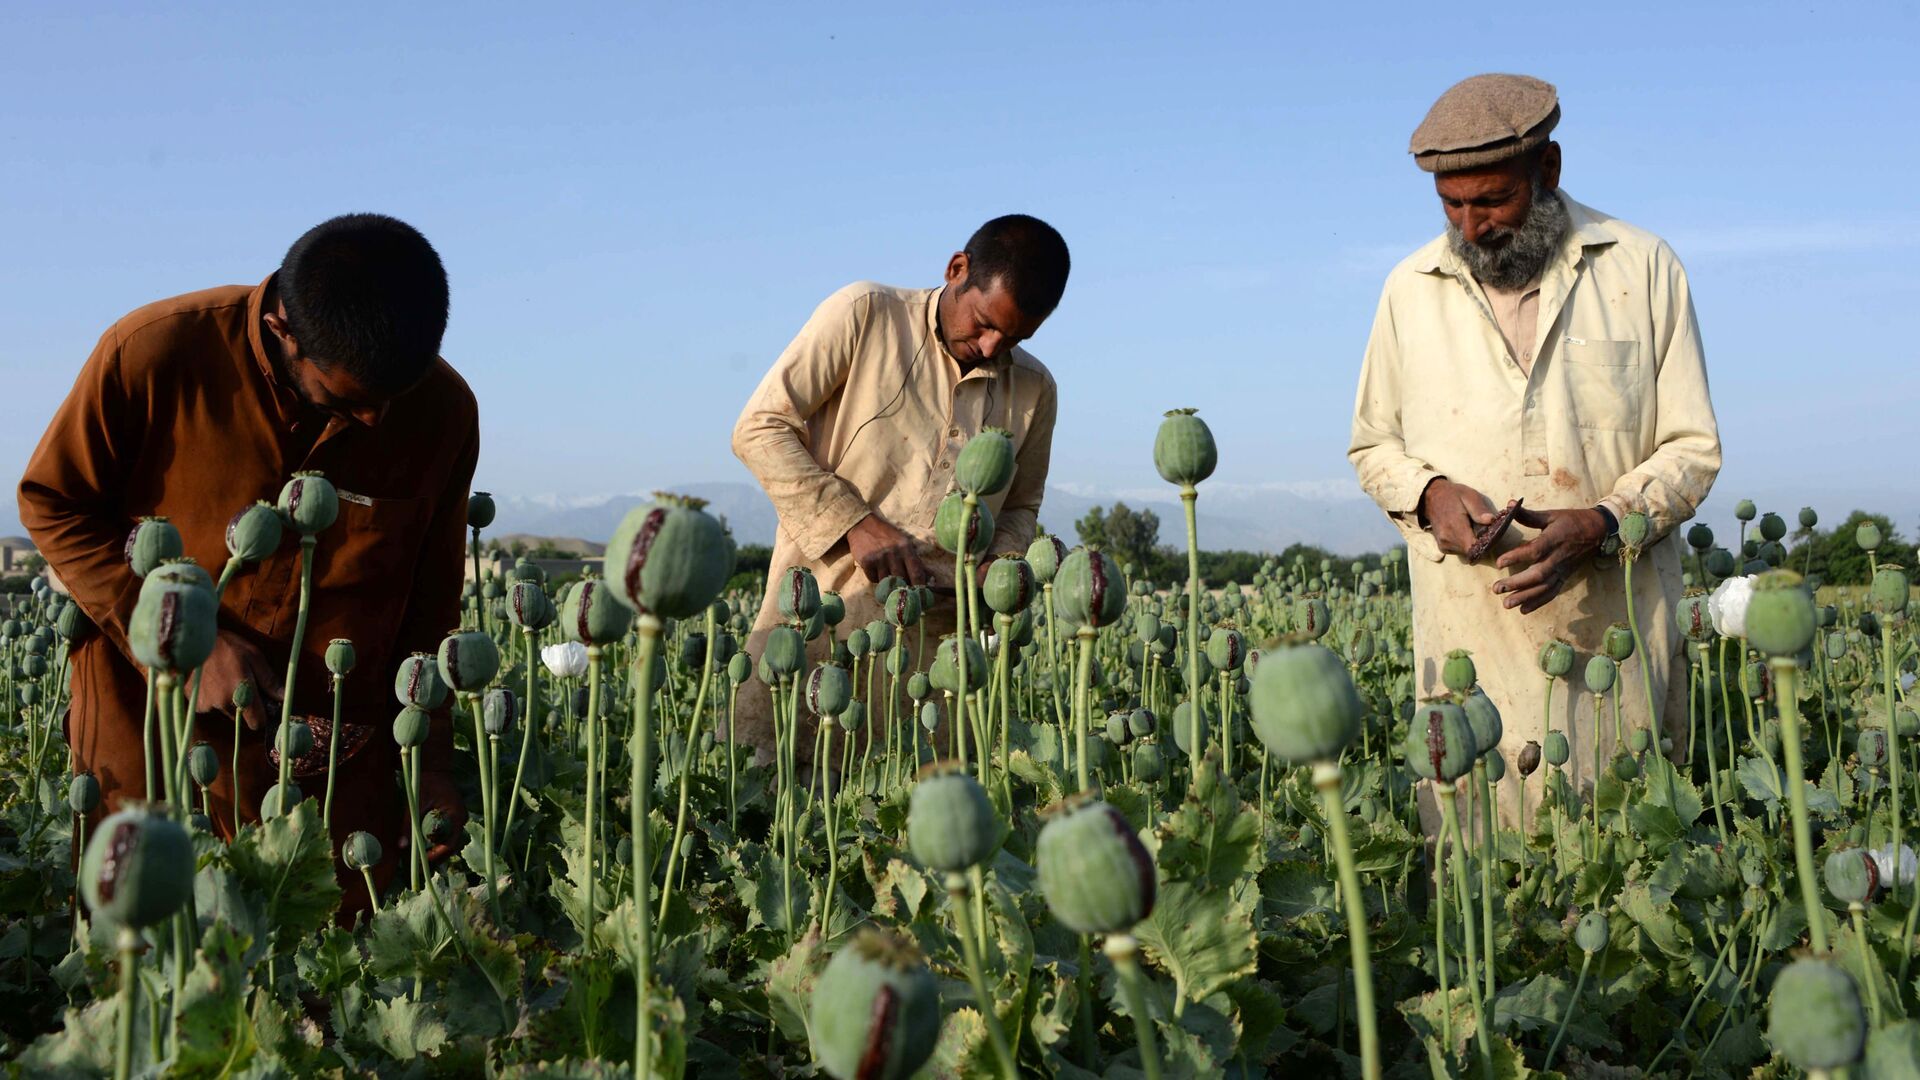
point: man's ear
(957, 268)
(277, 323)
(1550, 166)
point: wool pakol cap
(1484, 120)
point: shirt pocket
(366, 560)
(1606, 382)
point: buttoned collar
(989, 370)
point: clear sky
(640, 204)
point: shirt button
(943, 463)
(953, 433)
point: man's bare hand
(884, 551)
(233, 659)
(1453, 511)
(1567, 538)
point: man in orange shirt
(193, 408)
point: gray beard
(1527, 249)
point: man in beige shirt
(854, 431)
(1545, 351)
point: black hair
(1026, 256)
(366, 293)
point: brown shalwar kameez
(180, 412)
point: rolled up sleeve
(1393, 478)
(1670, 485)
(816, 507)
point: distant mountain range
(1244, 517)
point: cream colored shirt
(1613, 410)
(865, 412)
(1517, 313)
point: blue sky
(640, 205)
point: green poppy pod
(181, 571)
(739, 668)
(1635, 529)
(1852, 876)
(946, 525)
(828, 690)
(1010, 586)
(1772, 526)
(930, 716)
(875, 1009)
(900, 661)
(1814, 1018)
(786, 651)
(885, 588)
(1639, 740)
(1457, 673)
(799, 594)
(1772, 554)
(1182, 722)
(1592, 932)
(340, 657)
(669, 558)
(1906, 723)
(1045, 555)
(418, 682)
(880, 635)
(951, 825)
(1745, 510)
(1018, 630)
(152, 541)
(242, 694)
(919, 686)
(945, 672)
(138, 868)
(853, 717)
(1440, 744)
(858, 644)
(254, 533)
(411, 726)
(692, 654)
(279, 799)
(902, 608)
(72, 624)
(525, 569)
(1600, 675)
(1141, 723)
(468, 661)
(173, 627)
(1556, 658)
(480, 510)
(203, 764)
(1808, 517)
(832, 609)
(1227, 649)
(1496, 763)
(1304, 704)
(34, 667)
(1872, 747)
(1097, 877)
(1720, 563)
(1867, 535)
(1700, 537)
(1755, 682)
(1115, 729)
(499, 711)
(1693, 617)
(493, 589)
(529, 607)
(591, 615)
(1617, 642)
(83, 793)
(294, 739)
(985, 465)
(361, 851)
(1626, 769)
(308, 503)
(1090, 589)
(1484, 718)
(1168, 640)
(657, 669)
(1529, 761)
(1149, 762)
(1183, 448)
(1780, 617)
(1890, 591)
(1360, 646)
(1310, 617)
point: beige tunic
(863, 414)
(1613, 411)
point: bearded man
(1543, 351)
(855, 430)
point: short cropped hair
(1026, 256)
(366, 293)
